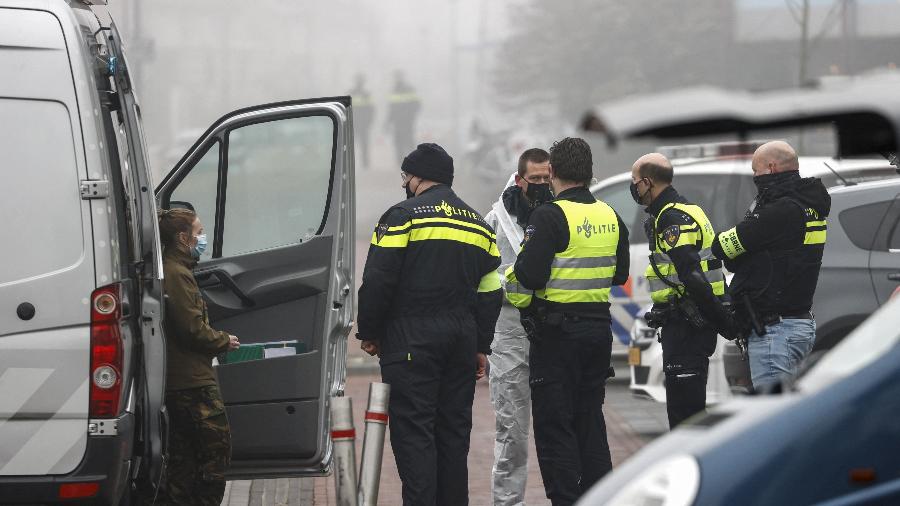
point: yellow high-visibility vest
(701, 233)
(582, 272)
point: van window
(279, 174)
(42, 224)
(861, 223)
(198, 189)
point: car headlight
(671, 482)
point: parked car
(718, 178)
(82, 345)
(831, 438)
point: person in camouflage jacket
(199, 435)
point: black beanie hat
(429, 161)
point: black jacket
(548, 234)
(427, 257)
(685, 258)
(776, 269)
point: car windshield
(865, 345)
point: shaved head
(774, 157)
(654, 166)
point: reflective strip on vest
(399, 98)
(660, 291)
(516, 294)
(583, 272)
(489, 282)
(448, 229)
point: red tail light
(106, 351)
(78, 490)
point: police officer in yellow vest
(686, 285)
(575, 249)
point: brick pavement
(623, 442)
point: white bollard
(344, 437)
(373, 443)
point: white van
(82, 350)
(718, 178)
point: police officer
(363, 114)
(403, 109)
(527, 189)
(575, 250)
(686, 285)
(775, 253)
(428, 304)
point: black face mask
(409, 193)
(538, 193)
(635, 194)
(764, 181)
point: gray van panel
(43, 406)
(44, 360)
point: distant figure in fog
(363, 114)
(404, 108)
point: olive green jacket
(191, 343)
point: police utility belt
(540, 319)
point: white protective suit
(510, 392)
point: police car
(718, 178)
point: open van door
(273, 187)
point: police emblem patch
(671, 235)
(529, 231)
(380, 230)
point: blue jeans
(777, 355)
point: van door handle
(894, 276)
(226, 279)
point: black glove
(726, 324)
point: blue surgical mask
(198, 250)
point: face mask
(763, 181)
(198, 250)
(636, 195)
(409, 193)
(538, 193)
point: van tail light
(106, 351)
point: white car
(718, 178)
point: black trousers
(430, 363)
(569, 366)
(686, 351)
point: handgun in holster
(689, 310)
(683, 305)
(751, 318)
(658, 315)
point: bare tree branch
(828, 22)
(795, 11)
